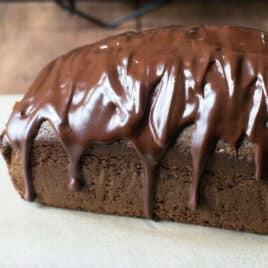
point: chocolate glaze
(147, 87)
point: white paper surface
(32, 235)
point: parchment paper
(32, 235)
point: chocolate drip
(25, 148)
(148, 192)
(259, 158)
(75, 183)
(29, 193)
(147, 87)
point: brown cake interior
(230, 197)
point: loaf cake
(166, 124)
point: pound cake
(166, 124)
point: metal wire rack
(71, 6)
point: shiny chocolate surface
(147, 87)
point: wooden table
(33, 33)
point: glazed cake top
(147, 87)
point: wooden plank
(34, 33)
(242, 13)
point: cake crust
(230, 197)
